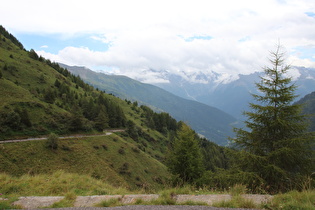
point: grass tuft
(293, 200)
(238, 189)
(68, 201)
(236, 202)
(110, 203)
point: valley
(210, 122)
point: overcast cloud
(181, 37)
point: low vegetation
(99, 157)
(59, 183)
(293, 200)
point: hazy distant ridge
(211, 122)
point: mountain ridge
(233, 95)
(208, 121)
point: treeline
(161, 122)
(91, 110)
(81, 107)
(9, 36)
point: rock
(208, 199)
(88, 201)
(34, 202)
(127, 199)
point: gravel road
(106, 133)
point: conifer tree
(185, 159)
(276, 146)
(101, 121)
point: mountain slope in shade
(211, 122)
(309, 108)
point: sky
(185, 37)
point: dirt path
(107, 133)
(90, 201)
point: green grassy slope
(38, 97)
(33, 104)
(108, 158)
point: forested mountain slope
(211, 122)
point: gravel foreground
(146, 207)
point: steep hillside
(39, 97)
(211, 122)
(113, 159)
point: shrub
(121, 151)
(124, 169)
(52, 141)
(238, 189)
(293, 200)
(136, 150)
(110, 203)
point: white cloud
(294, 74)
(162, 35)
(296, 61)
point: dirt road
(106, 133)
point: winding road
(106, 133)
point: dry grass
(58, 183)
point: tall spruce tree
(276, 146)
(185, 159)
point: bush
(136, 150)
(121, 151)
(52, 141)
(124, 169)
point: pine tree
(185, 159)
(101, 121)
(276, 145)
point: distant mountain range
(208, 121)
(227, 93)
